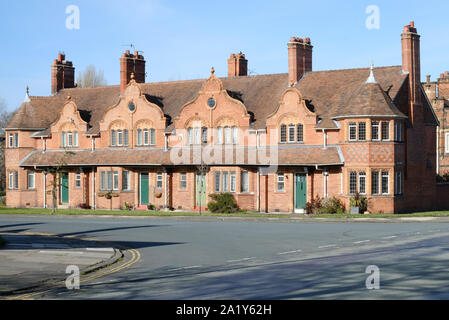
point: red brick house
(274, 141)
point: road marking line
(327, 246)
(100, 249)
(240, 260)
(61, 252)
(362, 241)
(390, 237)
(289, 252)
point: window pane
(113, 138)
(225, 182)
(362, 131)
(152, 137)
(385, 130)
(283, 133)
(385, 179)
(159, 180)
(11, 180)
(109, 180)
(183, 181)
(120, 138)
(299, 133)
(375, 131)
(139, 137)
(227, 131)
(375, 182)
(244, 182)
(11, 140)
(362, 182)
(352, 131)
(16, 180)
(125, 180)
(235, 135)
(291, 133)
(204, 135)
(353, 182)
(69, 139)
(233, 182)
(217, 181)
(64, 143)
(189, 136)
(281, 185)
(146, 137)
(75, 139)
(125, 137)
(197, 133)
(103, 180)
(16, 140)
(220, 135)
(30, 180)
(115, 180)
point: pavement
(32, 260)
(271, 259)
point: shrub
(84, 206)
(222, 203)
(314, 206)
(151, 207)
(331, 206)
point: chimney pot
(299, 58)
(131, 67)
(62, 74)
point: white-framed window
(362, 182)
(125, 181)
(115, 180)
(102, 180)
(152, 137)
(375, 126)
(244, 181)
(227, 134)
(352, 182)
(446, 142)
(225, 177)
(183, 181)
(280, 182)
(398, 131)
(233, 182)
(69, 139)
(119, 138)
(31, 180)
(13, 180)
(159, 180)
(204, 135)
(109, 180)
(125, 137)
(220, 135)
(64, 139)
(139, 137)
(113, 138)
(77, 180)
(197, 133)
(362, 131)
(385, 182)
(11, 140)
(217, 181)
(235, 135)
(398, 182)
(291, 133)
(385, 130)
(352, 131)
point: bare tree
(91, 78)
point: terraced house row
(274, 141)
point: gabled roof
(328, 94)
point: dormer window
(292, 133)
(146, 137)
(119, 138)
(352, 131)
(283, 133)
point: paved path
(183, 259)
(27, 260)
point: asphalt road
(259, 260)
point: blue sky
(183, 39)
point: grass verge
(78, 212)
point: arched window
(235, 135)
(299, 133)
(283, 133)
(227, 133)
(220, 135)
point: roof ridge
(354, 69)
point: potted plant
(358, 204)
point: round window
(131, 106)
(211, 102)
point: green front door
(300, 191)
(200, 190)
(64, 187)
(144, 188)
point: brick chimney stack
(299, 58)
(131, 63)
(237, 65)
(443, 86)
(62, 74)
(411, 63)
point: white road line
(327, 246)
(289, 252)
(390, 237)
(240, 260)
(61, 252)
(100, 249)
(363, 241)
(184, 268)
